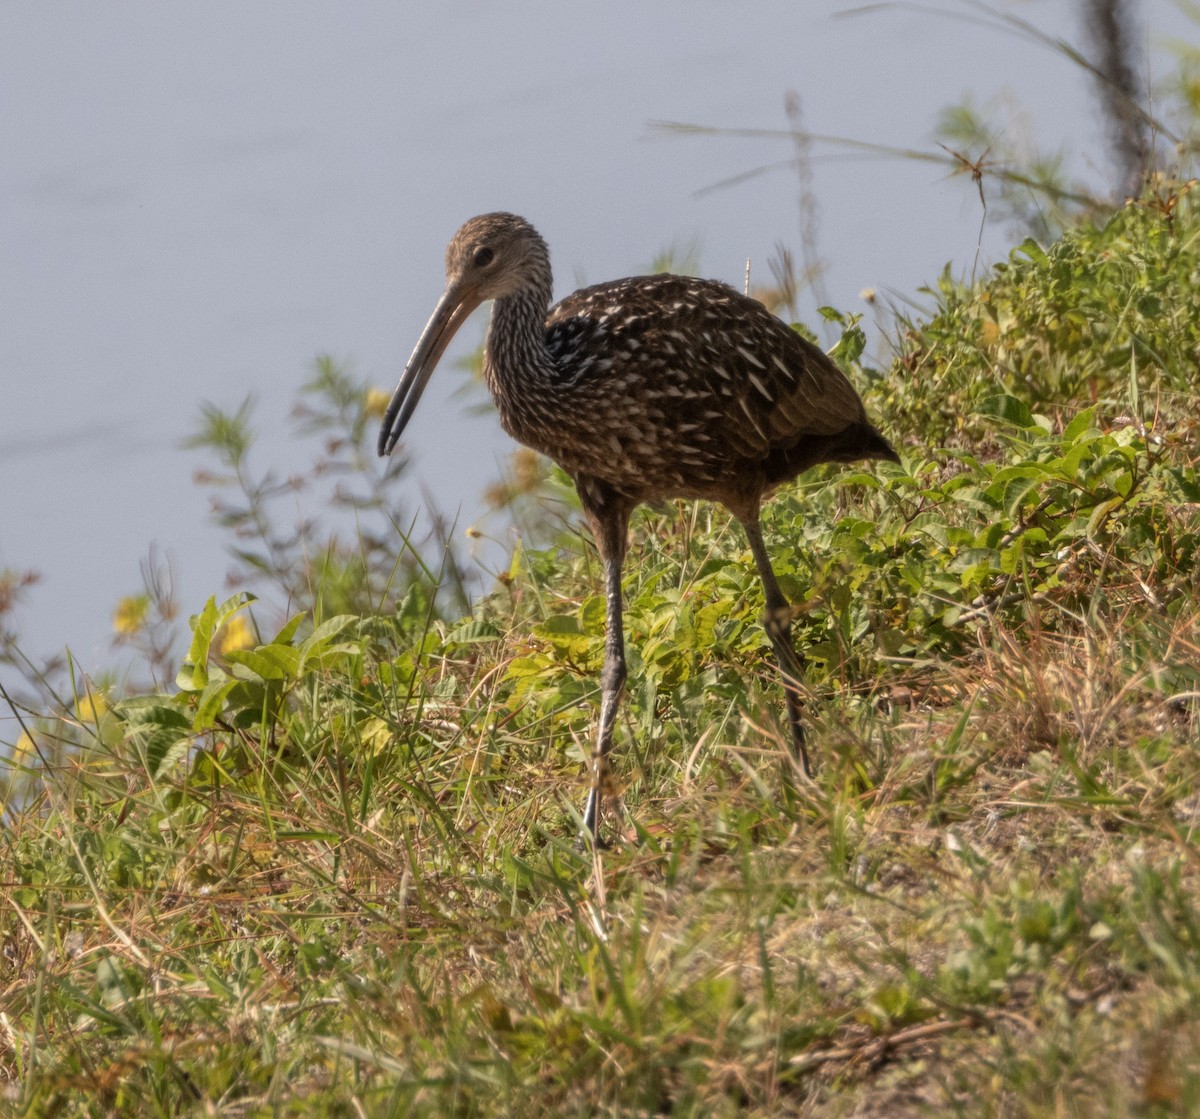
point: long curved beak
(453, 309)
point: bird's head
(493, 256)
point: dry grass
(337, 874)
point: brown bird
(641, 389)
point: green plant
(304, 565)
(332, 871)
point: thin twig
(875, 1048)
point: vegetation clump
(333, 871)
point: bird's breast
(636, 428)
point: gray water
(197, 200)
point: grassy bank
(334, 872)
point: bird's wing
(702, 348)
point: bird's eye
(483, 257)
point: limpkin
(641, 389)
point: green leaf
(267, 662)
(850, 346)
(861, 478)
(1101, 512)
(1185, 479)
(593, 614)
(212, 702)
(330, 628)
(193, 675)
(1008, 409)
(1031, 250)
(471, 632)
(285, 635)
(557, 624)
(164, 733)
(1080, 425)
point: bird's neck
(516, 363)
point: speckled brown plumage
(644, 388)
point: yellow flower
(130, 614)
(90, 708)
(235, 634)
(377, 402)
(24, 752)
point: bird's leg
(612, 683)
(610, 524)
(777, 620)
